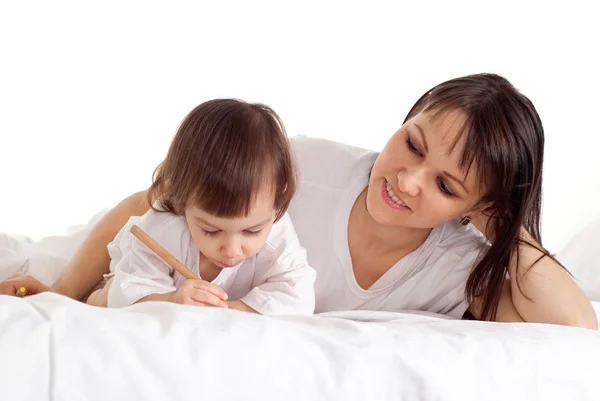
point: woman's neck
(381, 238)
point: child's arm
(291, 292)
(283, 279)
(141, 274)
(137, 276)
(167, 297)
(138, 271)
(239, 305)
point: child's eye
(248, 232)
(211, 233)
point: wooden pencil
(163, 253)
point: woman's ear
(481, 217)
(483, 208)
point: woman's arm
(547, 292)
(540, 290)
(506, 311)
(91, 261)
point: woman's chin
(383, 215)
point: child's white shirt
(277, 280)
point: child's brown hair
(224, 153)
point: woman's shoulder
(324, 160)
(449, 256)
(457, 237)
(456, 245)
(321, 150)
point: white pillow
(581, 257)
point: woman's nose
(410, 181)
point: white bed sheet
(54, 348)
(59, 349)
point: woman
(395, 231)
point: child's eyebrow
(262, 223)
(201, 220)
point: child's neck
(208, 270)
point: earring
(465, 221)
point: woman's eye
(444, 188)
(411, 145)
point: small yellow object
(21, 292)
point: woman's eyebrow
(422, 137)
(447, 174)
(453, 178)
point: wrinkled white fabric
(54, 348)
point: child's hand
(200, 292)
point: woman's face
(416, 181)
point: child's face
(227, 242)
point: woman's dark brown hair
(223, 155)
(504, 138)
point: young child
(219, 202)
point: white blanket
(54, 348)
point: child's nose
(231, 248)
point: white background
(91, 93)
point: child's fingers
(203, 304)
(212, 288)
(202, 296)
(189, 301)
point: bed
(54, 348)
